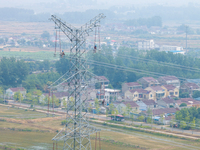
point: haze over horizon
(48, 5)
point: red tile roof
(150, 79)
(164, 111)
(168, 100)
(157, 88)
(192, 85)
(17, 89)
(139, 91)
(167, 78)
(133, 84)
(188, 101)
(132, 103)
(169, 87)
(149, 102)
(102, 78)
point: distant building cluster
(160, 95)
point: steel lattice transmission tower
(77, 131)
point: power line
(158, 62)
(123, 68)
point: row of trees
(128, 57)
(188, 118)
(12, 72)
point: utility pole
(20, 95)
(77, 131)
(4, 96)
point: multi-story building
(189, 87)
(138, 94)
(146, 45)
(148, 81)
(170, 90)
(130, 86)
(169, 80)
(157, 91)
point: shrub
(183, 105)
(63, 122)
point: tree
(184, 95)
(183, 124)
(29, 97)
(90, 107)
(141, 118)
(111, 108)
(128, 109)
(64, 103)
(183, 105)
(192, 125)
(1, 91)
(149, 120)
(18, 96)
(96, 101)
(45, 35)
(196, 94)
(38, 93)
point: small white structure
(146, 45)
(170, 48)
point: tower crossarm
(87, 28)
(66, 28)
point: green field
(42, 55)
(37, 133)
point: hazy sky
(101, 3)
(110, 2)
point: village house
(189, 101)
(196, 81)
(138, 94)
(130, 86)
(133, 106)
(170, 90)
(164, 111)
(169, 80)
(11, 91)
(146, 104)
(62, 96)
(122, 107)
(166, 102)
(147, 82)
(102, 80)
(189, 87)
(157, 92)
(63, 87)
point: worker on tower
(95, 48)
(62, 54)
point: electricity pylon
(77, 131)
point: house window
(151, 95)
(130, 88)
(176, 93)
(140, 96)
(159, 95)
(135, 95)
